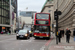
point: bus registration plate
(41, 37)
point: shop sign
(3, 27)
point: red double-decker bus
(42, 25)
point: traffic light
(55, 15)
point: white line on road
(43, 47)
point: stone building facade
(48, 8)
(67, 18)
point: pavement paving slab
(63, 45)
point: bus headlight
(34, 35)
(47, 35)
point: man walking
(59, 36)
(74, 34)
(68, 32)
(62, 32)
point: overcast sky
(33, 5)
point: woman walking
(74, 34)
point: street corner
(62, 47)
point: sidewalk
(63, 45)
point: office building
(48, 7)
(6, 15)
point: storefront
(4, 15)
(4, 29)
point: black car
(23, 34)
(29, 29)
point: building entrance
(0, 29)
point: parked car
(23, 34)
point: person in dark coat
(68, 32)
(74, 34)
(62, 32)
(59, 35)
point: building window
(4, 12)
(0, 11)
(0, 3)
(7, 21)
(49, 10)
(0, 19)
(4, 21)
(49, 7)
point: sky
(32, 5)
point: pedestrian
(74, 34)
(62, 32)
(59, 36)
(68, 32)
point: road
(9, 42)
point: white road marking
(43, 47)
(69, 47)
(64, 47)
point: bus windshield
(42, 22)
(41, 29)
(42, 16)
